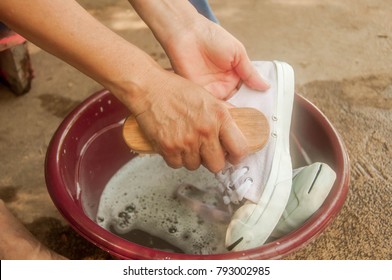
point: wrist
(168, 19)
(133, 87)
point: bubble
(185, 236)
(140, 197)
(130, 208)
(172, 229)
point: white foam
(141, 196)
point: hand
(188, 126)
(210, 56)
(199, 49)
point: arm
(17, 243)
(187, 125)
(199, 49)
(69, 32)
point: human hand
(210, 56)
(187, 125)
(199, 49)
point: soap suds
(142, 196)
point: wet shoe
(311, 186)
(264, 178)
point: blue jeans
(203, 8)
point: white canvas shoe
(311, 186)
(264, 178)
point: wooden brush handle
(252, 123)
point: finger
(191, 160)
(173, 160)
(233, 141)
(213, 155)
(249, 75)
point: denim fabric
(203, 8)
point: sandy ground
(341, 53)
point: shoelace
(232, 190)
(212, 212)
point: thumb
(249, 75)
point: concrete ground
(342, 55)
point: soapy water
(142, 199)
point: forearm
(186, 124)
(66, 30)
(167, 19)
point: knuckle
(168, 147)
(189, 140)
(206, 129)
(211, 122)
(222, 114)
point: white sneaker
(264, 178)
(311, 186)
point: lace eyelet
(245, 169)
(249, 179)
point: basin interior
(88, 150)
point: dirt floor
(341, 54)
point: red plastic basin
(87, 149)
